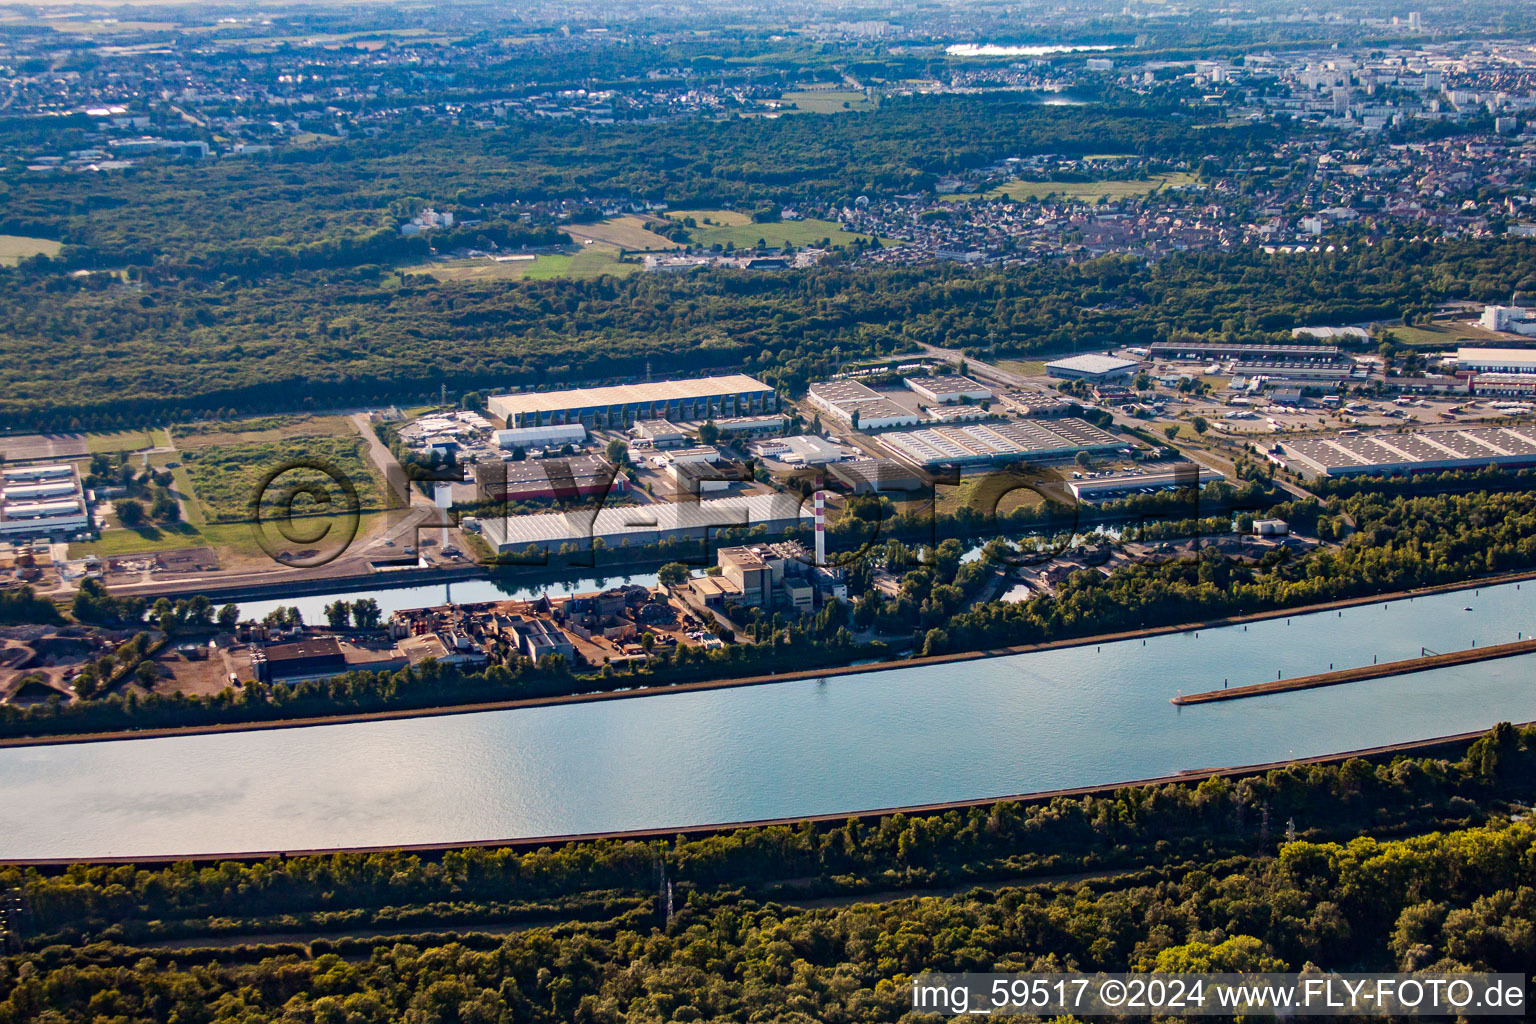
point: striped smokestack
(821, 528)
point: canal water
(498, 587)
(1070, 717)
(508, 586)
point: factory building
(949, 388)
(761, 576)
(799, 450)
(552, 436)
(1496, 360)
(747, 426)
(1520, 384)
(660, 433)
(621, 405)
(548, 479)
(536, 638)
(1197, 350)
(1509, 319)
(1036, 403)
(703, 477)
(315, 658)
(641, 525)
(860, 406)
(1298, 371)
(1113, 487)
(1420, 451)
(876, 476)
(985, 443)
(1092, 368)
(38, 501)
(753, 575)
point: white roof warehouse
(637, 526)
(622, 404)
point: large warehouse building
(1243, 352)
(1112, 487)
(1416, 452)
(1096, 368)
(638, 525)
(1496, 360)
(947, 388)
(621, 405)
(847, 400)
(983, 443)
(548, 479)
(38, 501)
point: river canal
(1069, 717)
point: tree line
(1208, 889)
(315, 339)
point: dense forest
(183, 215)
(97, 352)
(1191, 877)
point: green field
(218, 480)
(1024, 367)
(1087, 191)
(732, 227)
(124, 441)
(229, 539)
(626, 232)
(1443, 335)
(226, 478)
(595, 253)
(589, 262)
(15, 248)
(265, 428)
(829, 102)
(123, 541)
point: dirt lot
(204, 674)
(51, 652)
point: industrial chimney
(821, 529)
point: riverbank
(1419, 748)
(754, 680)
(1363, 672)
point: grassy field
(1025, 367)
(266, 428)
(225, 478)
(731, 227)
(1444, 335)
(483, 269)
(124, 441)
(233, 541)
(1087, 191)
(983, 494)
(123, 541)
(591, 261)
(15, 248)
(627, 232)
(818, 102)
